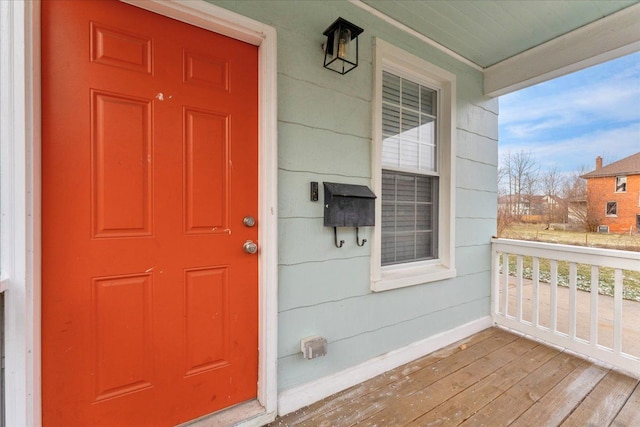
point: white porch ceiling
(503, 36)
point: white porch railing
(570, 296)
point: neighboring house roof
(627, 166)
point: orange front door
(149, 165)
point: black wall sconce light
(339, 53)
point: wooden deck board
(462, 406)
(417, 400)
(362, 408)
(556, 405)
(630, 413)
(499, 379)
(604, 402)
(509, 406)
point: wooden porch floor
(492, 379)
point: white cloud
(571, 120)
(572, 153)
(576, 100)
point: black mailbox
(348, 205)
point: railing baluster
(535, 298)
(505, 283)
(554, 296)
(617, 311)
(573, 295)
(519, 287)
(595, 278)
(495, 291)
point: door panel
(149, 165)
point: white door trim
(20, 192)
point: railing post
(535, 298)
(519, 285)
(505, 283)
(495, 283)
(593, 311)
(573, 296)
(617, 311)
(554, 296)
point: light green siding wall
(325, 135)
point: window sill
(409, 275)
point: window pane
(424, 188)
(427, 101)
(390, 88)
(405, 217)
(406, 188)
(424, 218)
(410, 95)
(388, 215)
(427, 129)
(427, 158)
(424, 248)
(409, 217)
(409, 155)
(410, 125)
(405, 247)
(390, 120)
(391, 152)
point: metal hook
(335, 235)
(358, 238)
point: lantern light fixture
(339, 53)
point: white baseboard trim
(306, 394)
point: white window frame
(606, 209)
(620, 179)
(399, 62)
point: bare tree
(521, 174)
(574, 191)
(552, 182)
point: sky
(569, 121)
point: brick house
(613, 194)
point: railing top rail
(597, 256)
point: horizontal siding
(476, 147)
(476, 204)
(476, 176)
(314, 283)
(473, 231)
(323, 151)
(473, 259)
(294, 370)
(312, 105)
(325, 135)
(337, 320)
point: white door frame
(20, 204)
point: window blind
(410, 174)
(409, 217)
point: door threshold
(247, 414)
